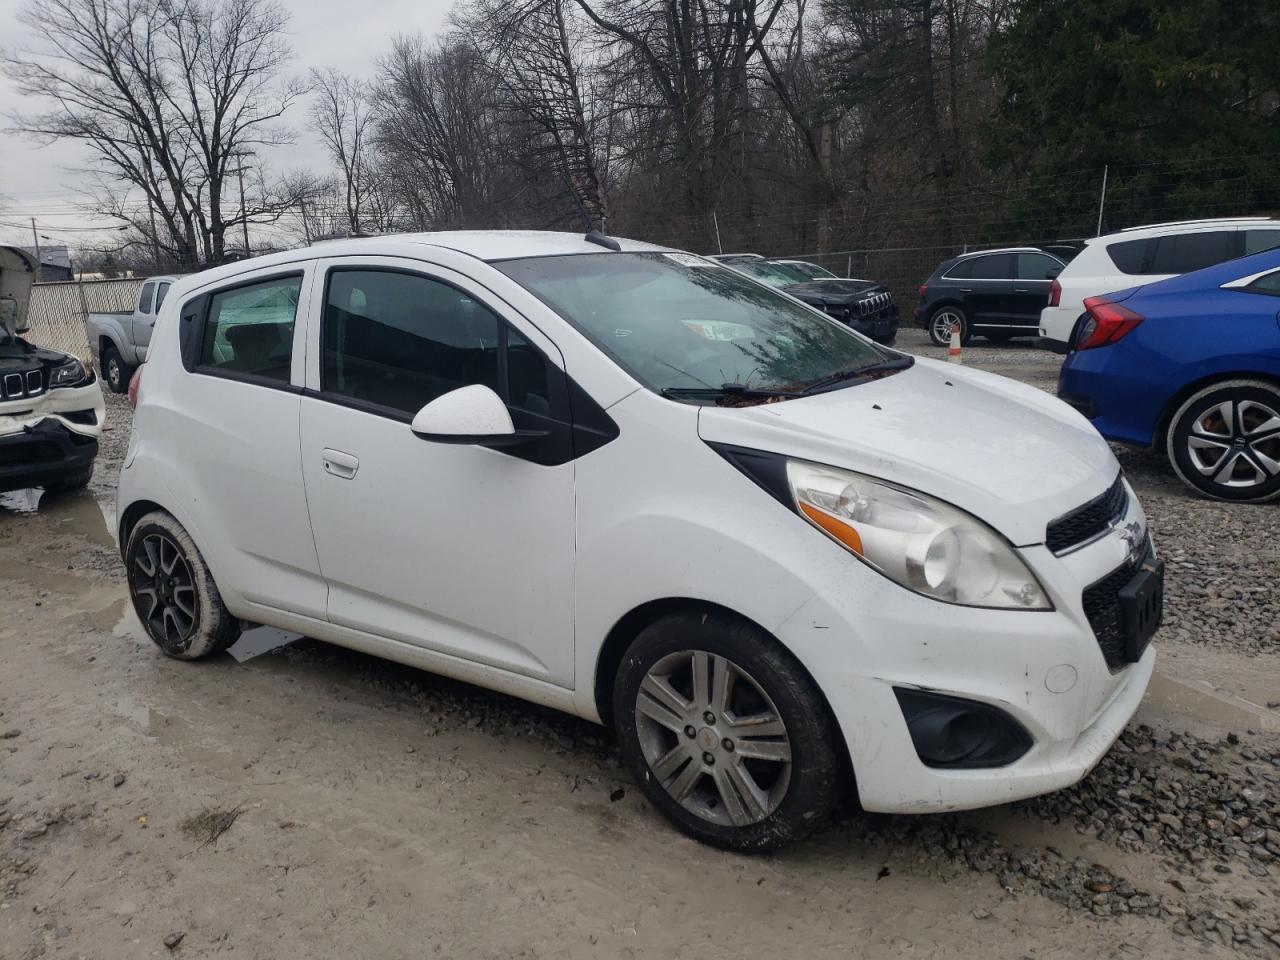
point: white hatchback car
(1141, 255)
(635, 485)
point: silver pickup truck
(120, 338)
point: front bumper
(882, 327)
(1046, 670)
(47, 438)
(42, 454)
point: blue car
(1191, 365)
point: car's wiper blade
(724, 390)
(855, 373)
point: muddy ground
(313, 802)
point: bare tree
(534, 49)
(343, 116)
(444, 145)
(695, 56)
(174, 98)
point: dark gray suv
(995, 293)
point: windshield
(811, 271)
(774, 274)
(681, 323)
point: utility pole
(244, 220)
(306, 227)
(35, 238)
(155, 241)
(1102, 200)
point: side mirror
(472, 415)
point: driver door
(464, 550)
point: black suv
(864, 305)
(996, 293)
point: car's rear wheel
(115, 371)
(726, 733)
(173, 591)
(1224, 441)
(940, 322)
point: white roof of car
(1177, 226)
(487, 245)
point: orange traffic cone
(953, 352)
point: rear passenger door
(988, 289)
(1033, 273)
(464, 550)
(144, 319)
(232, 431)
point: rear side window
(1270, 285)
(996, 267)
(960, 271)
(249, 329)
(144, 301)
(1177, 253)
(1256, 241)
(162, 291)
(399, 340)
(1036, 266)
(1130, 256)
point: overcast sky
(42, 181)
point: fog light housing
(958, 734)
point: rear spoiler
(17, 274)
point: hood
(1007, 453)
(16, 353)
(834, 291)
(17, 273)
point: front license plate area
(1141, 608)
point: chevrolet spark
(635, 485)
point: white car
(638, 486)
(1141, 255)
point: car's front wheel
(941, 321)
(1224, 441)
(726, 733)
(173, 591)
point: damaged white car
(51, 406)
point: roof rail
(1189, 223)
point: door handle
(339, 464)
(966, 289)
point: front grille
(873, 305)
(1088, 521)
(1102, 608)
(15, 386)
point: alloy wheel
(164, 591)
(1236, 443)
(713, 738)
(113, 373)
(942, 322)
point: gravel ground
(321, 764)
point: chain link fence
(57, 312)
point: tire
(796, 763)
(187, 619)
(75, 481)
(1237, 461)
(115, 372)
(942, 318)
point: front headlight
(915, 540)
(69, 374)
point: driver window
(399, 340)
